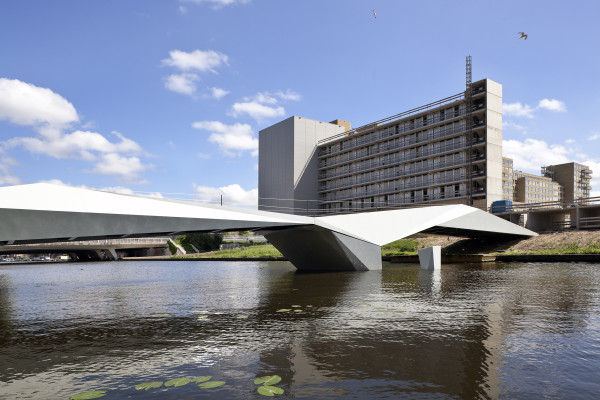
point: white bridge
(41, 212)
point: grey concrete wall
(288, 164)
(494, 142)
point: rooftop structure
(439, 153)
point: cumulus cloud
(233, 195)
(517, 110)
(6, 175)
(197, 60)
(218, 93)
(552, 105)
(22, 103)
(263, 105)
(190, 65)
(525, 110)
(570, 141)
(51, 115)
(232, 139)
(594, 136)
(256, 110)
(216, 4)
(531, 154)
(182, 83)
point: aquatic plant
(284, 310)
(178, 382)
(201, 379)
(269, 390)
(211, 384)
(94, 394)
(267, 380)
(149, 385)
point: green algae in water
(178, 382)
(211, 384)
(201, 379)
(267, 380)
(149, 385)
(284, 310)
(269, 390)
(94, 394)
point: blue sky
(167, 97)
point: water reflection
(467, 331)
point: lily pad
(94, 394)
(178, 382)
(296, 306)
(267, 380)
(211, 384)
(149, 385)
(203, 318)
(297, 310)
(284, 310)
(269, 390)
(309, 306)
(201, 379)
(199, 311)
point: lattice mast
(469, 130)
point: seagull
(374, 15)
(523, 35)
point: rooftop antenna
(469, 130)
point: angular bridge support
(313, 248)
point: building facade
(575, 179)
(427, 155)
(530, 188)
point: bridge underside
(49, 213)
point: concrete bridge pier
(313, 248)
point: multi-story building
(530, 188)
(574, 177)
(428, 155)
(508, 180)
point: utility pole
(469, 131)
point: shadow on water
(400, 332)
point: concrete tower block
(431, 257)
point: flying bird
(523, 35)
(374, 15)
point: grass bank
(258, 251)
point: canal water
(499, 331)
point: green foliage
(269, 390)
(566, 248)
(149, 385)
(267, 380)
(172, 248)
(265, 250)
(399, 247)
(202, 241)
(178, 382)
(95, 394)
(211, 384)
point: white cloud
(218, 93)
(231, 139)
(517, 110)
(256, 110)
(595, 136)
(197, 60)
(6, 176)
(525, 110)
(570, 141)
(289, 95)
(117, 164)
(78, 144)
(182, 83)
(182, 9)
(531, 154)
(552, 105)
(233, 195)
(22, 103)
(216, 4)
